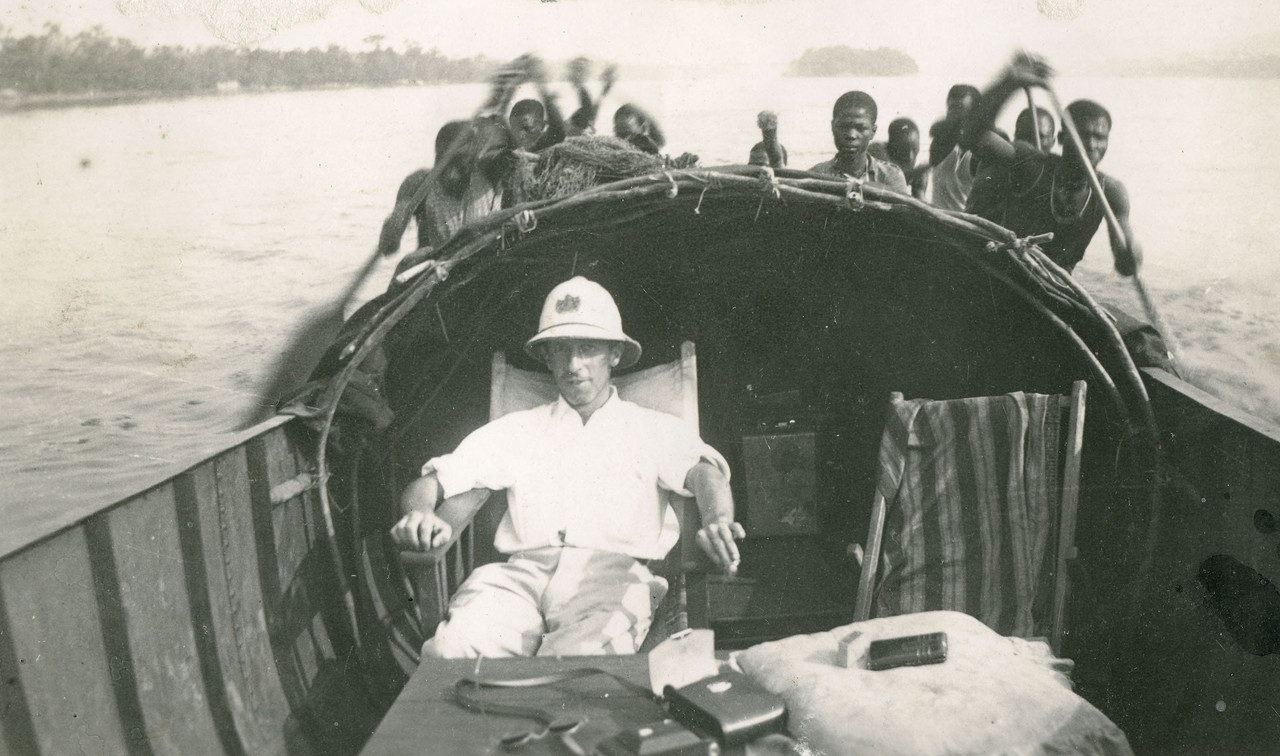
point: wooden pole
(1035, 120)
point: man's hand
(719, 540)
(1028, 70)
(421, 531)
(1128, 259)
(577, 71)
(534, 70)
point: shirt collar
(866, 174)
(562, 410)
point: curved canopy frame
(831, 282)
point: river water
(154, 257)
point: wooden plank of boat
(59, 676)
(1196, 682)
(193, 617)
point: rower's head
(452, 172)
(1023, 131)
(629, 121)
(960, 100)
(463, 147)
(853, 123)
(580, 338)
(1094, 124)
(904, 142)
(767, 120)
(528, 121)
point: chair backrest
(975, 510)
(671, 388)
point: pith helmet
(582, 309)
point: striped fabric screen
(973, 494)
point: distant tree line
(842, 60)
(92, 62)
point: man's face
(1095, 133)
(627, 125)
(455, 173)
(581, 368)
(526, 128)
(852, 129)
(1046, 132)
(958, 107)
(904, 147)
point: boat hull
(1194, 680)
(207, 613)
(198, 616)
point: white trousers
(555, 601)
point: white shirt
(592, 485)
(952, 180)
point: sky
(962, 37)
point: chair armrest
(459, 511)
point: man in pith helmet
(583, 477)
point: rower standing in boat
(1024, 131)
(991, 188)
(473, 160)
(902, 149)
(536, 125)
(639, 129)
(584, 508)
(853, 126)
(768, 151)
(952, 166)
(414, 181)
(1047, 193)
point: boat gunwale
(1223, 409)
(58, 527)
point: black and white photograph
(605, 377)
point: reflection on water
(153, 257)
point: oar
(1148, 304)
(1035, 118)
(294, 365)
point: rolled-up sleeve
(679, 453)
(482, 460)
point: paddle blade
(294, 365)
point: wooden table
(426, 720)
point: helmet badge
(568, 303)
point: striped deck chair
(975, 510)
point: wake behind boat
(253, 603)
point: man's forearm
(982, 118)
(711, 490)
(421, 495)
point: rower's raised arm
(1025, 70)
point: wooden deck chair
(670, 388)
(975, 511)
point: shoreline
(11, 102)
